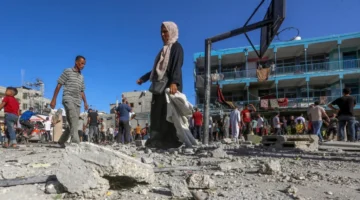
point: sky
(120, 39)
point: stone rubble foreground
(218, 171)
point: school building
(301, 72)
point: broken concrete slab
(179, 190)
(219, 153)
(197, 181)
(271, 168)
(80, 179)
(110, 163)
(254, 139)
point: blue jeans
(351, 128)
(10, 120)
(316, 128)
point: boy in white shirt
(47, 124)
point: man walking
(346, 105)
(123, 111)
(92, 122)
(316, 114)
(74, 87)
(198, 121)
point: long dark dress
(162, 132)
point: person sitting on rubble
(25, 120)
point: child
(300, 128)
(11, 108)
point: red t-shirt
(197, 116)
(246, 115)
(11, 105)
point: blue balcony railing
(343, 65)
(292, 103)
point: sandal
(14, 146)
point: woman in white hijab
(168, 63)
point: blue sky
(120, 39)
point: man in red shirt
(246, 118)
(198, 121)
(11, 108)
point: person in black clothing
(346, 105)
(168, 63)
(92, 122)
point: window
(132, 105)
(25, 106)
(25, 95)
(139, 103)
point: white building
(140, 101)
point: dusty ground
(236, 172)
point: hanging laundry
(274, 103)
(264, 103)
(283, 102)
(263, 74)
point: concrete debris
(226, 141)
(227, 166)
(197, 181)
(111, 163)
(179, 189)
(291, 190)
(147, 160)
(219, 153)
(110, 172)
(271, 168)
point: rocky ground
(217, 171)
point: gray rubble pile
(217, 171)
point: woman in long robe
(168, 63)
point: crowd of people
(241, 123)
(167, 73)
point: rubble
(215, 171)
(271, 168)
(180, 190)
(197, 181)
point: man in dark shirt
(123, 111)
(92, 122)
(346, 105)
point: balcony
(333, 66)
(292, 104)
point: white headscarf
(162, 64)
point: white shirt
(260, 122)
(111, 131)
(130, 115)
(47, 125)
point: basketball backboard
(275, 12)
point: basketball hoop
(288, 30)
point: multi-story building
(305, 71)
(140, 102)
(27, 98)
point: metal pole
(339, 56)
(306, 66)
(207, 90)
(241, 30)
(308, 91)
